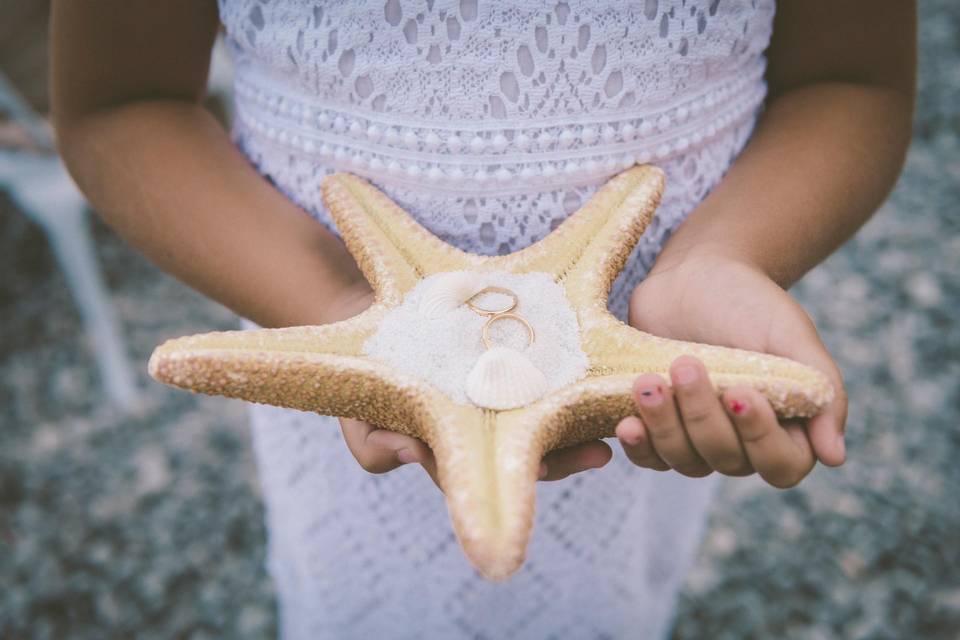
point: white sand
(443, 350)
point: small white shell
(448, 291)
(504, 378)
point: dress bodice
(492, 121)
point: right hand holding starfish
(683, 424)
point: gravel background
(150, 525)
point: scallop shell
(504, 378)
(448, 291)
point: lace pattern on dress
(492, 160)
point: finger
(371, 459)
(827, 436)
(408, 449)
(826, 430)
(782, 455)
(378, 450)
(430, 466)
(561, 463)
(655, 403)
(706, 422)
(636, 444)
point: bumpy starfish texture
(487, 461)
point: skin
(128, 77)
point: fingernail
(842, 445)
(632, 436)
(651, 396)
(633, 439)
(406, 456)
(543, 471)
(686, 374)
(739, 407)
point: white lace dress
(489, 122)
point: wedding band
(498, 316)
(492, 312)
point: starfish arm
(793, 389)
(590, 247)
(393, 251)
(487, 464)
(345, 337)
(312, 368)
(488, 461)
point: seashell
(448, 291)
(504, 378)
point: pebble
(924, 289)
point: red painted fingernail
(739, 407)
(651, 396)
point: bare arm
(829, 146)
(127, 80)
(128, 76)
(825, 153)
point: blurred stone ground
(151, 525)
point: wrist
(706, 255)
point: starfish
(487, 460)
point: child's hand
(685, 426)
(380, 450)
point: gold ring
(498, 316)
(493, 312)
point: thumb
(826, 429)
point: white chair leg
(40, 185)
(70, 238)
(44, 191)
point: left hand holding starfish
(683, 424)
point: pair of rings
(499, 314)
